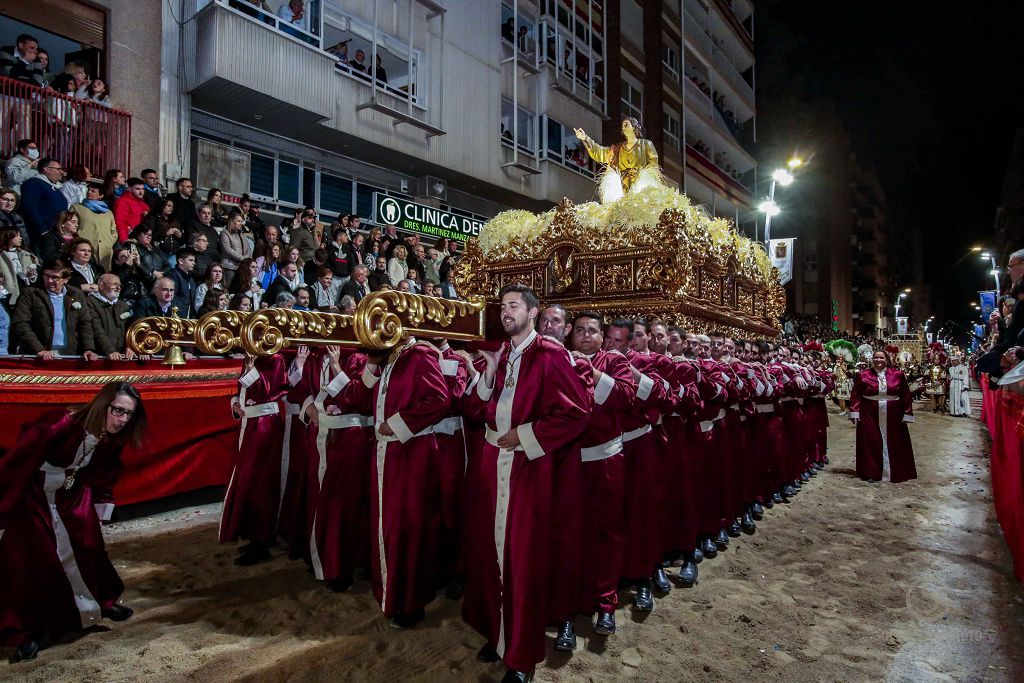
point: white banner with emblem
(781, 254)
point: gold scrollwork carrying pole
(383, 319)
(267, 331)
(166, 335)
(219, 332)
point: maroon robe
(411, 396)
(340, 525)
(603, 470)
(714, 444)
(682, 430)
(253, 496)
(509, 526)
(55, 575)
(882, 406)
(451, 464)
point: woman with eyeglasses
(9, 216)
(55, 575)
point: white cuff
(399, 427)
(303, 418)
(369, 379)
(603, 389)
(908, 418)
(644, 387)
(248, 378)
(483, 391)
(337, 384)
(449, 368)
(471, 385)
(294, 374)
(529, 441)
(104, 511)
(235, 401)
(854, 416)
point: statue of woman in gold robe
(628, 157)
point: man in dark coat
(52, 320)
(110, 316)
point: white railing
(696, 98)
(308, 29)
(729, 73)
(697, 32)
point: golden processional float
(643, 250)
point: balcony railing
(697, 32)
(68, 129)
(732, 76)
(308, 28)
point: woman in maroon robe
(881, 407)
(55, 575)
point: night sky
(930, 92)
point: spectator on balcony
(508, 30)
(54, 243)
(41, 199)
(184, 203)
(311, 268)
(159, 301)
(167, 233)
(347, 304)
(379, 72)
(284, 300)
(325, 290)
(131, 208)
(52, 320)
(85, 272)
(359, 63)
(220, 212)
(9, 216)
(240, 302)
(340, 52)
(302, 298)
(154, 189)
(18, 61)
(95, 91)
(291, 255)
(398, 268)
(254, 225)
(287, 280)
(147, 262)
(204, 226)
(114, 185)
(415, 284)
(303, 236)
(271, 238)
(247, 281)
(269, 266)
(200, 244)
(79, 75)
(76, 184)
(294, 13)
(23, 165)
(184, 283)
(217, 301)
(450, 260)
(62, 116)
(379, 275)
(18, 266)
(212, 284)
(357, 286)
(234, 248)
(43, 60)
(341, 256)
(110, 316)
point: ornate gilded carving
(219, 332)
(150, 336)
(267, 331)
(614, 277)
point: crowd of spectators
(1001, 351)
(81, 258)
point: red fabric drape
(192, 441)
(1004, 416)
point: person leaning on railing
(52, 320)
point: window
(522, 34)
(364, 199)
(335, 194)
(572, 43)
(670, 59)
(632, 98)
(525, 138)
(261, 176)
(309, 187)
(351, 42)
(562, 146)
(288, 183)
(306, 29)
(672, 131)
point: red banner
(193, 438)
(1003, 413)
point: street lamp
(995, 268)
(769, 208)
(900, 298)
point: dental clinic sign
(424, 220)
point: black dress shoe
(757, 511)
(805, 477)
(487, 655)
(734, 530)
(661, 581)
(788, 491)
(697, 556)
(256, 553)
(710, 549)
(747, 524)
(769, 502)
(722, 539)
(512, 676)
(826, 459)
(777, 497)
(117, 612)
(404, 621)
(26, 651)
(605, 625)
(643, 601)
(566, 640)
(688, 573)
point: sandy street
(851, 582)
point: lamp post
(783, 177)
(995, 268)
(904, 293)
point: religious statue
(626, 158)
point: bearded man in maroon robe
(880, 407)
(533, 405)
